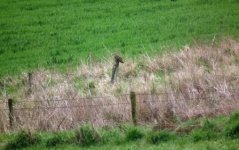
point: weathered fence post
(29, 83)
(133, 107)
(115, 70)
(10, 107)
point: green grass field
(210, 134)
(173, 145)
(57, 33)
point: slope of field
(196, 81)
(59, 32)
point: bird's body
(118, 59)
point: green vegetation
(134, 134)
(24, 139)
(61, 33)
(59, 138)
(87, 135)
(232, 129)
(207, 132)
(156, 137)
(210, 134)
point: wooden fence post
(10, 107)
(115, 70)
(133, 107)
(29, 83)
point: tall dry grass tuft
(196, 81)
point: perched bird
(115, 69)
(118, 59)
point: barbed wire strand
(120, 95)
(110, 104)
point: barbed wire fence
(138, 108)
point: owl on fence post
(118, 60)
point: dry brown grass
(196, 81)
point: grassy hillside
(198, 134)
(197, 81)
(59, 32)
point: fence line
(71, 99)
(111, 104)
(120, 95)
(132, 101)
(63, 107)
